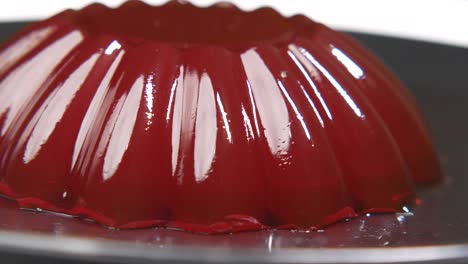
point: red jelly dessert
(206, 119)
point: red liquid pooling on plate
(206, 119)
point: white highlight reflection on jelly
(54, 109)
(308, 70)
(115, 45)
(270, 102)
(94, 109)
(205, 130)
(22, 46)
(334, 82)
(42, 65)
(123, 129)
(350, 65)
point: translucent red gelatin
(206, 119)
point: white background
(444, 21)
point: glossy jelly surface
(205, 119)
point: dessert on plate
(207, 119)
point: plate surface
(436, 231)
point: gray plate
(436, 231)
